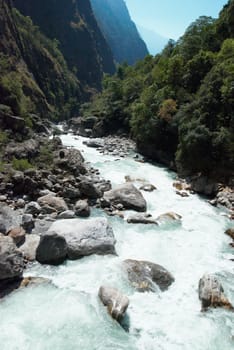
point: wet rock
(52, 249)
(89, 190)
(127, 195)
(144, 275)
(8, 219)
(68, 214)
(55, 203)
(148, 188)
(29, 247)
(82, 208)
(18, 235)
(181, 185)
(230, 232)
(211, 293)
(170, 216)
(115, 301)
(86, 237)
(28, 222)
(11, 259)
(95, 143)
(141, 218)
(8, 286)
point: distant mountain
(119, 30)
(154, 41)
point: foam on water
(67, 314)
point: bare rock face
(115, 301)
(143, 275)
(127, 195)
(55, 203)
(86, 237)
(211, 293)
(11, 259)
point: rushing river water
(68, 315)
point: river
(67, 315)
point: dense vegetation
(179, 105)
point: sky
(170, 18)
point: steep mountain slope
(119, 30)
(34, 77)
(73, 24)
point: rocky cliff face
(34, 77)
(73, 24)
(119, 30)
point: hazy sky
(170, 18)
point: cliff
(73, 24)
(119, 30)
(34, 77)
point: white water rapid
(67, 315)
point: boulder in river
(11, 259)
(86, 237)
(115, 301)
(148, 188)
(141, 218)
(230, 232)
(170, 216)
(145, 275)
(89, 190)
(127, 195)
(211, 293)
(52, 249)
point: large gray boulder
(8, 219)
(11, 259)
(211, 293)
(86, 237)
(55, 203)
(127, 195)
(52, 249)
(145, 275)
(115, 301)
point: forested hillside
(179, 105)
